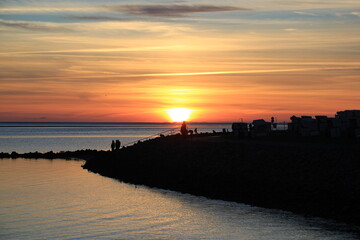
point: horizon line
(109, 122)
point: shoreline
(309, 178)
(67, 155)
(315, 179)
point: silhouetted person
(195, 131)
(183, 129)
(117, 144)
(191, 132)
(251, 128)
(273, 122)
(293, 118)
(112, 145)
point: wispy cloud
(174, 10)
(100, 50)
(252, 71)
(305, 13)
(33, 26)
(130, 26)
(99, 18)
(356, 13)
(319, 3)
(46, 10)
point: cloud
(45, 10)
(318, 3)
(356, 13)
(175, 10)
(305, 13)
(130, 26)
(290, 29)
(97, 50)
(34, 26)
(99, 18)
(251, 71)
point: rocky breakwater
(68, 155)
(317, 179)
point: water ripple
(41, 199)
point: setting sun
(179, 114)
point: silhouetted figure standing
(251, 129)
(112, 145)
(195, 131)
(183, 129)
(117, 145)
(273, 122)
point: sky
(131, 61)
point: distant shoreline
(189, 122)
(96, 124)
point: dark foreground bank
(316, 179)
(309, 178)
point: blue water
(57, 199)
(44, 137)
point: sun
(179, 114)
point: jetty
(311, 178)
(312, 168)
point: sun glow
(179, 114)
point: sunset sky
(121, 61)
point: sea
(58, 199)
(44, 137)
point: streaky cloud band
(174, 10)
(252, 71)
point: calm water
(43, 199)
(44, 137)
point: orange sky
(124, 61)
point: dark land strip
(313, 178)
